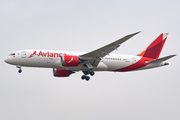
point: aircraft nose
(6, 60)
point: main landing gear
(19, 71)
(87, 73)
(85, 77)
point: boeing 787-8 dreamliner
(65, 63)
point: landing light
(166, 63)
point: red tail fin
(154, 49)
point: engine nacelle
(69, 60)
(61, 73)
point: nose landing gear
(19, 71)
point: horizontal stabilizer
(162, 59)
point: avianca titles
(65, 63)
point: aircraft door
(23, 54)
(22, 59)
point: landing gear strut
(87, 73)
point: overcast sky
(81, 25)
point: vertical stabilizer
(154, 49)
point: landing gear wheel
(83, 77)
(87, 72)
(91, 73)
(20, 71)
(87, 78)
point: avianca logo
(47, 54)
(70, 60)
(32, 54)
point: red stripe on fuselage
(141, 63)
(32, 54)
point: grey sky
(84, 26)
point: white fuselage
(51, 59)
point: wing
(95, 56)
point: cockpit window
(12, 54)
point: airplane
(65, 63)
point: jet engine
(61, 73)
(69, 60)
